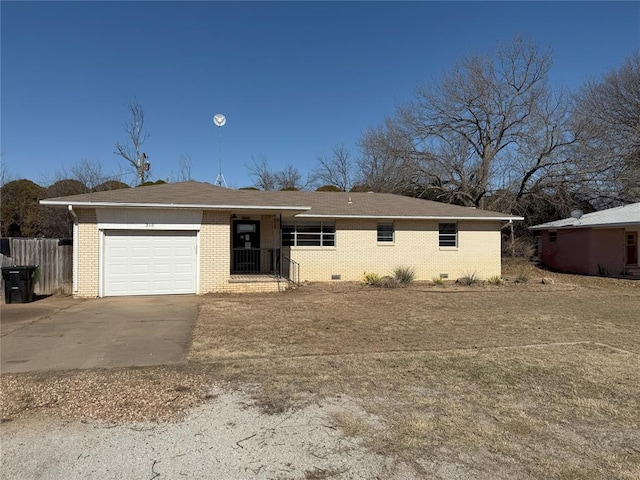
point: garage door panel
(149, 263)
(162, 269)
(184, 268)
(142, 253)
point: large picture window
(385, 232)
(448, 234)
(309, 234)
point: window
(245, 227)
(309, 234)
(448, 234)
(385, 232)
(553, 236)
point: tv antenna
(219, 120)
(577, 214)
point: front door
(632, 248)
(246, 246)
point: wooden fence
(54, 257)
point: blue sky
(293, 79)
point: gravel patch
(225, 438)
(120, 394)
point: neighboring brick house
(599, 243)
(194, 237)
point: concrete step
(632, 272)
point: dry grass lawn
(509, 381)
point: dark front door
(632, 248)
(246, 246)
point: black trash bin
(18, 283)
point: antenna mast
(219, 120)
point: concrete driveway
(59, 333)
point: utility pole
(143, 166)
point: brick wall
(356, 251)
(88, 253)
(416, 245)
(215, 251)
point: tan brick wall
(215, 252)
(356, 251)
(88, 253)
(256, 287)
(416, 245)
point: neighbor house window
(553, 236)
(385, 232)
(309, 234)
(448, 235)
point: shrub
(404, 275)
(389, 282)
(523, 276)
(522, 247)
(438, 281)
(371, 279)
(495, 280)
(469, 279)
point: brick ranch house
(194, 237)
(599, 243)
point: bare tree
(607, 119)
(264, 178)
(131, 150)
(289, 178)
(491, 120)
(387, 163)
(337, 169)
(89, 173)
(185, 166)
(261, 174)
(5, 176)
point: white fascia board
(409, 217)
(172, 205)
(585, 225)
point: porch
(258, 265)
(257, 255)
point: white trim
(198, 262)
(156, 219)
(101, 270)
(171, 205)
(409, 217)
(273, 207)
(594, 225)
(75, 247)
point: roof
(302, 204)
(618, 216)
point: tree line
(491, 132)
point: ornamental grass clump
(469, 279)
(404, 275)
(523, 276)
(372, 279)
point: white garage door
(149, 263)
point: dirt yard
(519, 380)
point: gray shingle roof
(304, 204)
(625, 215)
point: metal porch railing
(264, 261)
